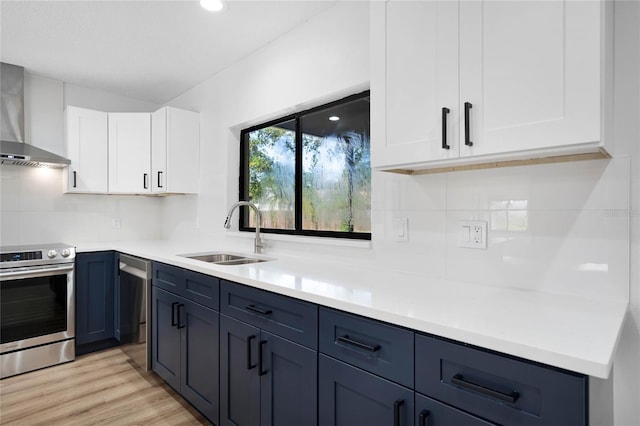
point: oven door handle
(34, 272)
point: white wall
(33, 207)
(576, 239)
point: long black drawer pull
(396, 411)
(467, 134)
(459, 380)
(349, 341)
(249, 340)
(445, 111)
(422, 418)
(261, 372)
(180, 306)
(254, 308)
(173, 314)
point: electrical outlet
(473, 234)
(401, 229)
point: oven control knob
(65, 253)
(52, 254)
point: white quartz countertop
(569, 332)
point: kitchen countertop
(569, 332)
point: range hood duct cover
(13, 149)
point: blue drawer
(197, 287)
(374, 346)
(292, 319)
(499, 388)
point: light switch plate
(473, 234)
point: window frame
(244, 176)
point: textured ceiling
(148, 50)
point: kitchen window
(309, 173)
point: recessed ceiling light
(212, 5)
(334, 118)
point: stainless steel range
(37, 326)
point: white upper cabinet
(86, 138)
(175, 149)
(528, 76)
(130, 153)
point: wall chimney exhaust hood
(13, 149)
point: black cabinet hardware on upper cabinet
(144, 180)
(346, 339)
(159, 180)
(254, 308)
(74, 180)
(467, 134)
(459, 380)
(445, 111)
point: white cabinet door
(175, 151)
(414, 76)
(130, 153)
(86, 137)
(531, 70)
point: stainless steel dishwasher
(135, 309)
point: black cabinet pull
(180, 306)
(173, 314)
(422, 418)
(144, 180)
(249, 340)
(261, 372)
(459, 380)
(445, 111)
(349, 341)
(467, 134)
(396, 411)
(254, 308)
(74, 180)
(159, 181)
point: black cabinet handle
(467, 134)
(422, 418)
(180, 306)
(144, 180)
(445, 111)
(74, 180)
(159, 181)
(173, 314)
(261, 372)
(396, 411)
(459, 380)
(249, 340)
(349, 341)
(254, 308)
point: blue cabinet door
(95, 286)
(165, 348)
(239, 379)
(349, 396)
(199, 357)
(288, 382)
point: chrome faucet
(257, 248)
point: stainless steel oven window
(37, 306)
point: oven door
(37, 306)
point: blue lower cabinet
(95, 275)
(265, 379)
(349, 396)
(185, 350)
(430, 412)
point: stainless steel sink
(223, 258)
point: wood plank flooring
(100, 388)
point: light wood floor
(99, 388)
